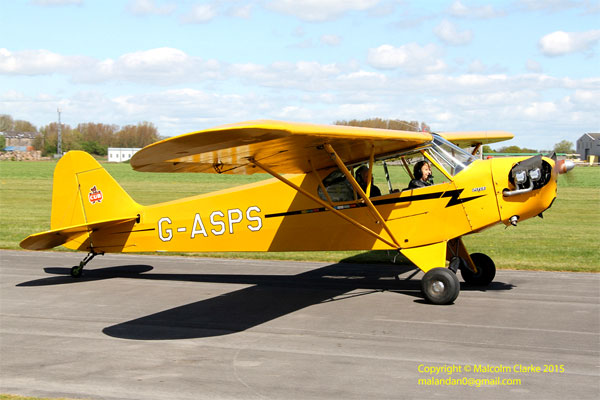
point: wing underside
(283, 146)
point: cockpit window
(449, 161)
(451, 157)
(396, 173)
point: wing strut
(323, 203)
(359, 190)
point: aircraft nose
(565, 166)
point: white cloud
(319, 10)
(533, 66)
(476, 67)
(539, 110)
(149, 7)
(331, 40)
(57, 2)
(200, 13)
(410, 57)
(242, 11)
(560, 43)
(548, 5)
(305, 90)
(161, 66)
(458, 9)
(36, 62)
(447, 32)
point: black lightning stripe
(452, 194)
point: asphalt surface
(150, 327)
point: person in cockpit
(422, 174)
(362, 174)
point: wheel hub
(437, 287)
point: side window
(337, 186)
(401, 171)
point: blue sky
(531, 67)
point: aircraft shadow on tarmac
(270, 297)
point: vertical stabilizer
(84, 192)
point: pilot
(422, 174)
(362, 174)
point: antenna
(59, 141)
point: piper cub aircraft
(316, 199)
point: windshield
(451, 157)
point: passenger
(362, 174)
(422, 174)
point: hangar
(589, 145)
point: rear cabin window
(337, 186)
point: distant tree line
(94, 138)
(394, 124)
(564, 146)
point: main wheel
(486, 271)
(440, 286)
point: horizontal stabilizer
(56, 237)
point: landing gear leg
(77, 270)
(476, 269)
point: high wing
(285, 147)
(470, 139)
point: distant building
(19, 141)
(589, 145)
(120, 154)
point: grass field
(565, 240)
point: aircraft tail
(84, 198)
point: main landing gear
(77, 270)
(441, 285)
(486, 271)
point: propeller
(562, 166)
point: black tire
(440, 286)
(486, 271)
(76, 271)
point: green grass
(565, 240)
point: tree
(564, 146)
(140, 135)
(47, 139)
(516, 149)
(379, 123)
(24, 126)
(95, 138)
(2, 142)
(93, 147)
(6, 123)
(103, 134)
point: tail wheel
(486, 271)
(440, 286)
(77, 270)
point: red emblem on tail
(95, 195)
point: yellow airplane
(321, 197)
